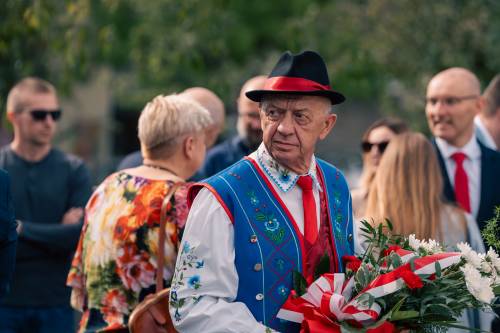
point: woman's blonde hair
(165, 121)
(407, 188)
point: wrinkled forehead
(296, 102)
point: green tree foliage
(168, 45)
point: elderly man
(49, 190)
(487, 122)
(470, 170)
(277, 211)
(249, 134)
(209, 101)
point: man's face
(249, 127)
(451, 105)
(293, 126)
(37, 132)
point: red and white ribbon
(331, 295)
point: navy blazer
(490, 183)
(8, 234)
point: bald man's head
(215, 107)
(460, 79)
(453, 100)
(248, 126)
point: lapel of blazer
(487, 190)
(448, 191)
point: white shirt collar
(283, 178)
(485, 134)
(471, 148)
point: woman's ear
(189, 146)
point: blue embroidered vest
(268, 245)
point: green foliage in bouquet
(444, 295)
(491, 232)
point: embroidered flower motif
(285, 176)
(253, 198)
(272, 225)
(283, 291)
(194, 282)
(188, 261)
(185, 247)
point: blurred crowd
(66, 244)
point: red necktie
(461, 182)
(309, 205)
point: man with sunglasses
(470, 170)
(49, 190)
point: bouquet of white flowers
(400, 283)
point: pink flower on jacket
(134, 269)
(114, 306)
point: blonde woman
(407, 189)
(114, 267)
(373, 144)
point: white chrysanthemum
(469, 255)
(414, 242)
(493, 257)
(478, 286)
(486, 267)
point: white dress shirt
(483, 134)
(209, 241)
(472, 166)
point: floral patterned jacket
(114, 266)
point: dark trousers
(53, 319)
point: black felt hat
(301, 74)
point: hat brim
(333, 96)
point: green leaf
(261, 217)
(299, 283)
(438, 269)
(323, 266)
(402, 315)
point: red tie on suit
(461, 181)
(309, 205)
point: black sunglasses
(367, 146)
(40, 115)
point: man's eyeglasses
(367, 146)
(450, 100)
(40, 115)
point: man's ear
(11, 116)
(481, 104)
(330, 121)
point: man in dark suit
(8, 234)
(470, 170)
